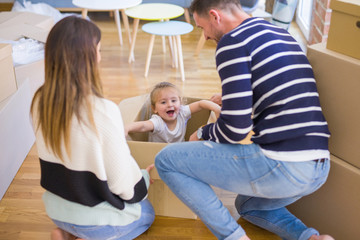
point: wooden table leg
(148, 57)
(135, 28)
(84, 12)
(181, 59)
(126, 24)
(118, 24)
(200, 44)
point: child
(94, 188)
(168, 124)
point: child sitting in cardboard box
(168, 123)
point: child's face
(167, 105)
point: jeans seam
(273, 226)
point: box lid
(351, 7)
(14, 25)
(5, 50)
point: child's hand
(148, 169)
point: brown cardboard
(335, 208)
(34, 72)
(338, 81)
(138, 109)
(163, 199)
(15, 25)
(166, 203)
(7, 81)
(344, 33)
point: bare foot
(321, 237)
(59, 234)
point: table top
(155, 11)
(169, 28)
(106, 4)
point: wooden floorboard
(22, 214)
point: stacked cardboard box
(16, 133)
(335, 208)
(344, 32)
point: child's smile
(167, 105)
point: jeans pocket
(277, 183)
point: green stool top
(155, 11)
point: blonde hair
(71, 78)
(160, 86)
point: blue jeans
(265, 186)
(108, 232)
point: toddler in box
(168, 123)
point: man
(267, 88)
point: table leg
(200, 44)
(126, 24)
(136, 26)
(118, 24)
(181, 59)
(171, 50)
(176, 58)
(84, 12)
(148, 57)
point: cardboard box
(33, 72)
(335, 208)
(338, 82)
(15, 25)
(344, 33)
(7, 81)
(137, 109)
(16, 134)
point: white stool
(114, 5)
(151, 12)
(173, 30)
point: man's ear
(214, 14)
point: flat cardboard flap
(5, 50)
(145, 154)
(15, 25)
(351, 7)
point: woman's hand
(148, 169)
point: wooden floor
(22, 214)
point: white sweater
(100, 183)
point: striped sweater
(99, 183)
(268, 87)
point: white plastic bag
(40, 8)
(26, 50)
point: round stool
(112, 5)
(151, 12)
(173, 30)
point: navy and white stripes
(268, 87)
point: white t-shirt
(162, 133)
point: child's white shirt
(162, 133)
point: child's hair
(160, 86)
(71, 77)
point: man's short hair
(202, 7)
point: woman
(94, 188)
